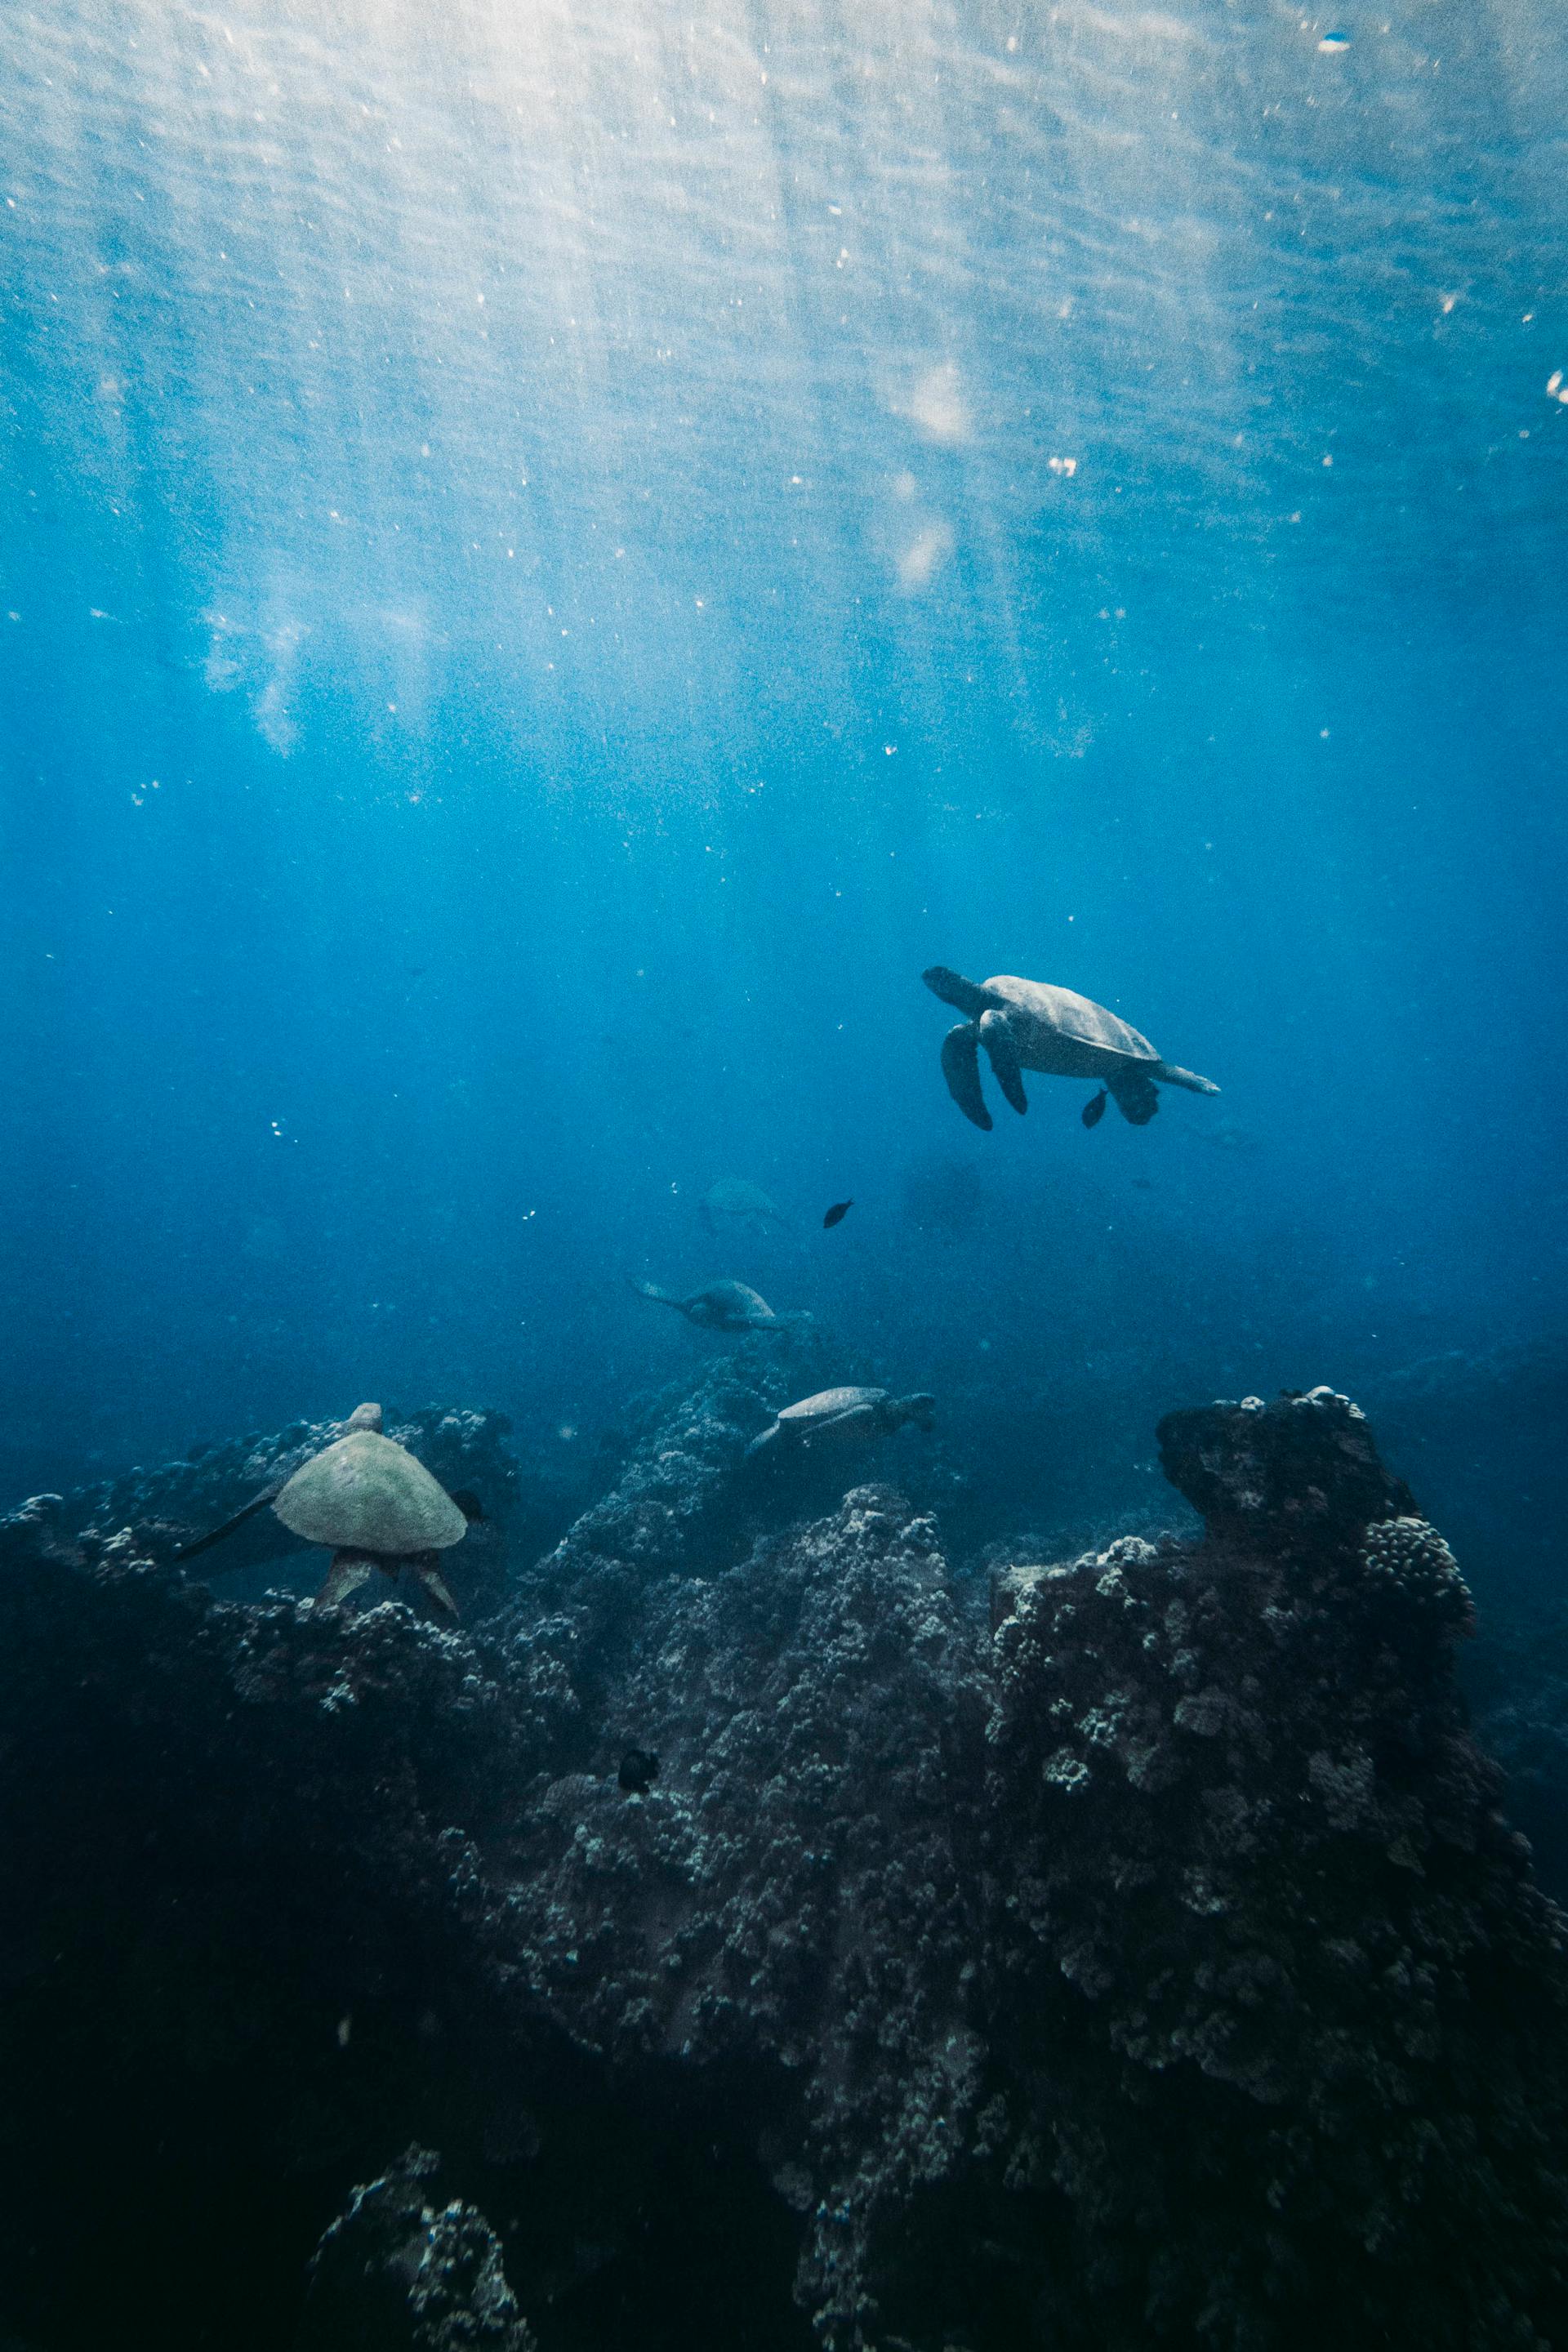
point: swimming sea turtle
(851, 1414)
(366, 1496)
(720, 1307)
(734, 1206)
(1027, 1024)
(363, 1417)
(377, 1508)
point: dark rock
(677, 1507)
(681, 1508)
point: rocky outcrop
(682, 1501)
(1155, 1969)
(1243, 1848)
(1300, 1473)
(398, 2273)
(799, 1892)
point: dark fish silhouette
(1093, 1112)
(640, 1770)
(839, 1210)
(1141, 1184)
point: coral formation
(1152, 1966)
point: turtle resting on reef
(368, 1498)
(842, 1414)
(1027, 1024)
(720, 1307)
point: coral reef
(1150, 1966)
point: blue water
(554, 558)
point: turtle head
(953, 989)
(921, 1410)
(364, 1416)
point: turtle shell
(737, 1298)
(742, 1202)
(368, 1493)
(1071, 1016)
(828, 1402)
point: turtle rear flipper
(348, 1571)
(960, 1068)
(435, 1584)
(996, 1036)
(1174, 1076)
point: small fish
(1141, 1184)
(640, 1770)
(839, 1210)
(1093, 1112)
(1332, 42)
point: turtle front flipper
(216, 1535)
(960, 1068)
(866, 1418)
(996, 1036)
(652, 1290)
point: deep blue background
(477, 770)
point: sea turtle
(720, 1306)
(732, 1206)
(363, 1417)
(369, 1499)
(835, 1414)
(1027, 1024)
